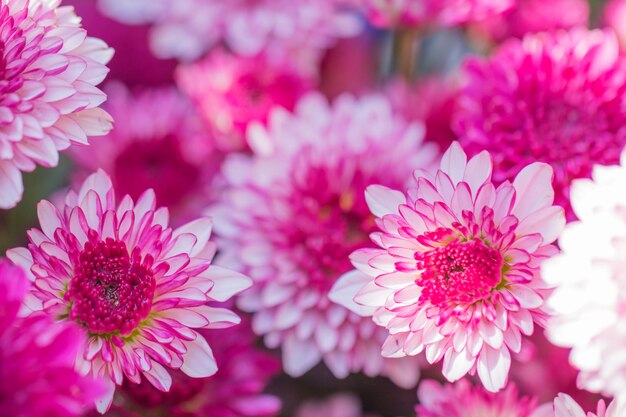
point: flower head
(550, 97)
(590, 295)
(48, 100)
(37, 376)
(565, 406)
(456, 273)
(463, 400)
(159, 142)
(136, 287)
(295, 211)
(231, 92)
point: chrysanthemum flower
(456, 273)
(294, 213)
(186, 29)
(463, 400)
(565, 406)
(159, 142)
(137, 287)
(387, 13)
(231, 92)
(37, 375)
(556, 98)
(48, 100)
(590, 294)
(234, 391)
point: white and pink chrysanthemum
(589, 275)
(231, 92)
(456, 274)
(387, 13)
(295, 211)
(565, 406)
(48, 100)
(187, 29)
(461, 399)
(37, 375)
(137, 287)
(159, 142)
(550, 97)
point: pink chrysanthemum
(159, 142)
(231, 92)
(186, 29)
(137, 287)
(294, 213)
(387, 13)
(456, 274)
(48, 98)
(565, 406)
(37, 376)
(589, 275)
(463, 400)
(556, 98)
(530, 16)
(234, 391)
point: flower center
(459, 272)
(111, 291)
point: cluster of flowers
(431, 191)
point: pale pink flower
(529, 16)
(295, 211)
(461, 399)
(137, 287)
(234, 391)
(589, 275)
(456, 274)
(48, 100)
(187, 29)
(37, 376)
(339, 405)
(232, 91)
(550, 97)
(159, 142)
(565, 406)
(387, 13)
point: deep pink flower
(565, 406)
(294, 213)
(232, 91)
(159, 142)
(456, 274)
(387, 13)
(186, 29)
(48, 100)
(37, 376)
(137, 287)
(234, 391)
(463, 400)
(555, 98)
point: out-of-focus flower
(137, 287)
(589, 276)
(294, 213)
(565, 406)
(551, 97)
(457, 271)
(159, 142)
(614, 16)
(186, 29)
(232, 91)
(234, 391)
(339, 405)
(387, 13)
(37, 376)
(530, 16)
(48, 100)
(432, 100)
(463, 400)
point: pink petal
(383, 200)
